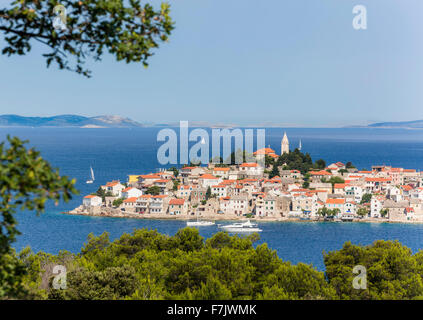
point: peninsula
(288, 186)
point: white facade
(131, 192)
(91, 201)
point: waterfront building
(129, 203)
(178, 206)
(336, 203)
(92, 200)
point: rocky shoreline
(114, 213)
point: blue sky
(296, 62)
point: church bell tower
(284, 144)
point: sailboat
(300, 146)
(92, 176)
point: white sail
(92, 174)
(300, 146)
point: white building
(114, 187)
(92, 200)
(251, 169)
(376, 204)
(131, 192)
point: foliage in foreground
(27, 182)
(150, 265)
(128, 30)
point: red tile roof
(320, 173)
(208, 176)
(177, 201)
(248, 165)
(335, 201)
(90, 196)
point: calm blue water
(114, 153)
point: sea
(116, 153)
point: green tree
(117, 202)
(126, 29)
(349, 165)
(175, 184)
(320, 164)
(323, 212)
(153, 190)
(268, 161)
(149, 265)
(275, 171)
(392, 271)
(27, 181)
(366, 198)
(334, 180)
(101, 193)
(208, 193)
(362, 212)
(175, 171)
(384, 212)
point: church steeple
(284, 144)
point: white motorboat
(92, 176)
(199, 223)
(241, 227)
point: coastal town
(336, 192)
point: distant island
(68, 120)
(114, 121)
(416, 124)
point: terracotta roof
(90, 196)
(150, 176)
(248, 165)
(267, 151)
(132, 199)
(177, 201)
(407, 187)
(335, 201)
(188, 168)
(377, 179)
(112, 184)
(221, 169)
(208, 176)
(320, 173)
(340, 185)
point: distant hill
(416, 124)
(67, 120)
